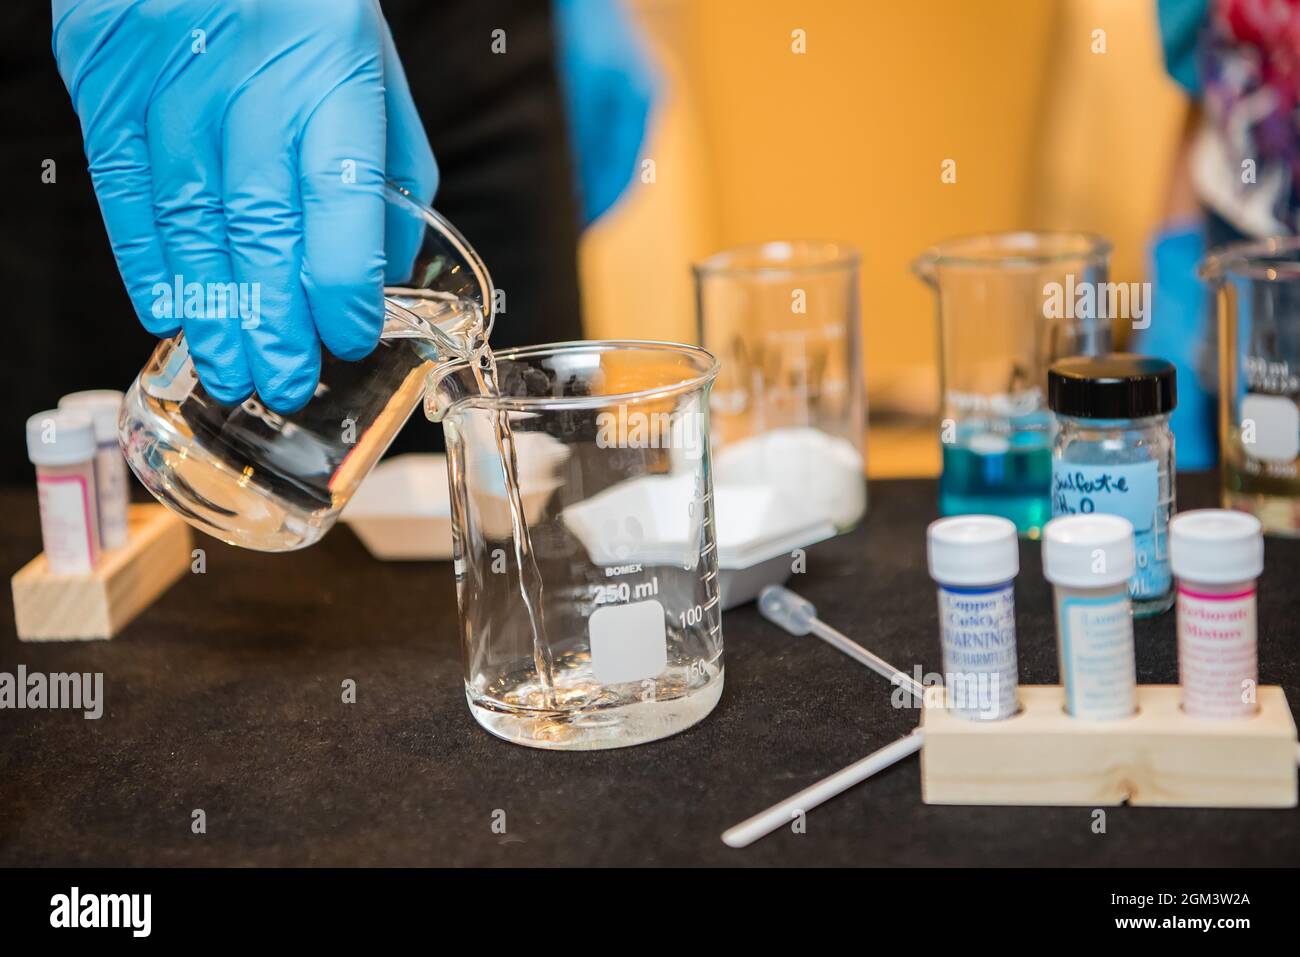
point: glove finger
(264, 235)
(341, 165)
(86, 45)
(410, 163)
(119, 170)
(185, 151)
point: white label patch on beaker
(1277, 427)
(628, 642)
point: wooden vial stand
(127, 580)
(1159, 757)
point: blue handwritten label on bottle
(1132, 491)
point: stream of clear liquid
(484, 365)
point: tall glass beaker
(255, 478)
(584, 540)
(1257, 292)
(789, 409)
(1009, 305)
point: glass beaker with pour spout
(789, 410)
(272, 482)
(1008, 306)
(584, 540)
(1257, 293)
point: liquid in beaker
(253, 478)
(999, 330)
(271, 482)
(625, 602)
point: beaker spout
(926, 268)
(452, 382)
(442, 390)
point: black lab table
(226, 696)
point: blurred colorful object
(610, 87)
(1250, 72)
(1180, 26)
(1181, 331)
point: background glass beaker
(789, 408)
(272, 482)
(1257, 293)
(1008, 306)
(599, 626)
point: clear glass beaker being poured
(1008, 306)
(271, 482)
(1257, 292)
(589, 607)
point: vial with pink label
(61, 444)
(1216, 556)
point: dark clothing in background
(497, 126)
(495, 122)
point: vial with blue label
(1089, 559)
(974, 559)
(1114, 455)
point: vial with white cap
(1216, 556)
(974, 560)
(61, 444)
(1089, 560)
(112, 491)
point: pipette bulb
(784, 608)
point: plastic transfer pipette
(765, 822)
(798, 616)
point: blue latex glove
(247, 141)
(1179, 320)
(610, 88)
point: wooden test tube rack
(1160, 757)
(126, 581)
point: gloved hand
(246, 141)
(610, 87)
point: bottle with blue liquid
(1114, 455)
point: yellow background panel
(754, 141)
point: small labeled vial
(1089, 560)
(61, 444)
(974, 559)
(1114, 454)
(112, 491)
(1217, 555)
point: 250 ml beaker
(584, 540)
(790, 405)
(271, 482)
(1257, 287)
(1008, 306)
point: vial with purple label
(112, 488)
(974, 559)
